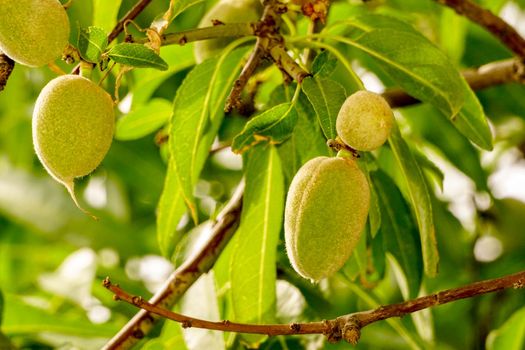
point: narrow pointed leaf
(399, 231)
(170, 210)
(510, 336)
(324, 64)
(92, 42)
(252, 269)
(143, 120)
(418, 192)
(421, 69)
(136, 55)
(274, 125)
(197, 115)
(327, 97)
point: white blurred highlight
(487, 249)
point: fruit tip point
(70, 186)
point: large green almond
(33, 32)
(73, 124)
(326, 211)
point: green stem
(213, 32)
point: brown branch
(234, 98)
(347, 327)
(270, 43)
(131, 15)
(6, 67)
(491, 74)
(183, 277)
(494, 24)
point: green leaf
(306, 142)
(425, 120)
(471, 120)
(163, 20)
(92, 41)
(143, 120)
(105, 13)
(418, 192)
(136, 55)
(170, 210)
(252, 269)
(324, 64)
(510, 336)
(327, 97)
(274, 125)
(374, 214)
(21, 318)
(414, 63)
(399, 231)
(430, 167)
(197, 115)
(180, 6)
(1, 307)
(421, 69)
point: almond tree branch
(205, 33)
(183, 277)
(270, 43)
(131, 15)
(494, 24)
(6, 67)
(347, 327)
(234, 98)
(491, 74)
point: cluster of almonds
(329, 198)
(73, 118)
(74, 122)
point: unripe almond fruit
(225, 11)
(326, 211)
(364, 121)
(33, 32)
(73, 125)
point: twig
(131, 15)
(491, 74)
(494, 24)
(6, 67)
(119, 27)
(347, 327)
(270, 43)
(287, 64)
(205, 33)
(180, 280)
(234, 98)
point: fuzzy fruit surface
(73, 125)
(326, 211)
(33, 32)
(364, 121)
(226, 11)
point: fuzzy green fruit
(226, 11)
(326, 211)
(73, 125)
(33, 32)
(364, 121)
